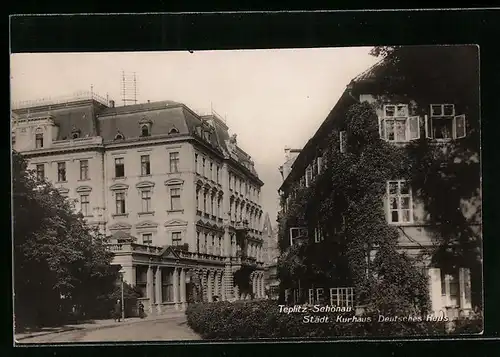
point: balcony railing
(75, 97)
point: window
(318, 235)
(84, 204)
(61, 171)
(342, 141)
(456, 288)
(204, 202)
(145, 130)
(119, 136)
(203, 166)
(146, 201)
(443, 124)
(176, 238)
(174, 162)
(120, 202)
(399, 202)
(39, 141)
(397, 126)
(120, 167)
(167, 286)
(342, 297)
(40, 172)
(75, 135)
(197, 242)
(211, 171)
(147, 238)
(196, 162)
(13, 140)
(141, 279)
(217, 172)
(219, 212)
(145, 165)
(175, 199)
(84, 169)
(173, 131)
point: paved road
(168, 329)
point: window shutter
(319, 293)
(311, 296)
(435, 289)
(459, 126)
(465, 288)
(414, 126)
(381, 128)
(428, 128)
(320, 161)
(343, 143)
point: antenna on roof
(129, 88)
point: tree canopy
(56, 254)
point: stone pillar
(262, 286)
(129, 276)
(216, 283)
(222, 288)
(204, 284)
(254, 284)
(175, 283)
(183, 288)
(158, 297)
(210, 291)
(149, 288)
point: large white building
(178, 197)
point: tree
(56, 254)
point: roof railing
(75, 97)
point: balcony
(242, 225)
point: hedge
(263, 319)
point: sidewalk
(94, 325)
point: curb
(93, 328)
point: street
(165, 329)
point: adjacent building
(271, 254)
(443, 123)
(179, 199)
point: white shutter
(381, 128)
(465, 288)
(428, 128)
(435, 289)
(414, 127)
(319, 164)
(459, 127)
(319, 294)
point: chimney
(287, 153)
(111, 103)
(148, 100)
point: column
(149, 287)
(254, 285)
(175, 283)
(158, 297)
(222, 287)
(216, 284)
(130, 275)
(183, 287)
(210, 286)
(262, 286)
(228, 277)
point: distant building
(171, 189)
(271, 254)
(290, 156)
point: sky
(270, 98)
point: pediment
(175, 223)
(146, 224)
(83, 189)
(145, 184)
(120, 226)
(119, 186)
(145, 120)
(63, 190)
(168, 252)
(174, 181)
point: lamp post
(122, 272)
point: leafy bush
(263, 319)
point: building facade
(271, 254)
(179, 200)
(442, 124)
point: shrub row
(263, 319)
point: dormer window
(75, 135)
(173, 131)
(145, 127)
(119, 136)
(145, 130)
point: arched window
(145, 130)
(119, 136)
(173, 131)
